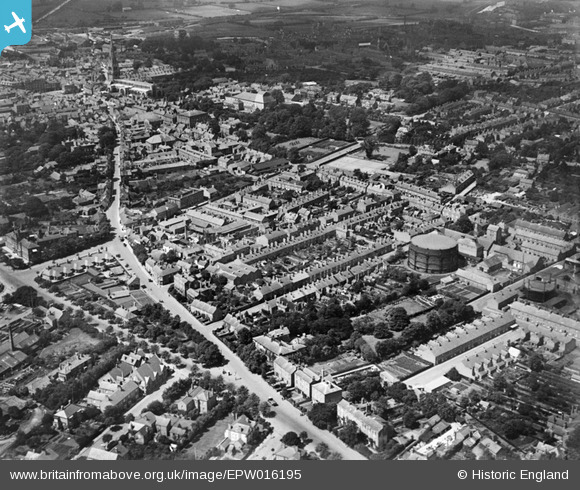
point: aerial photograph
(290, 230)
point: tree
(410, 419)
(209, 355)
(359, 123)
(107, 438)
(515, 427)
(35, 208)
(349, 434)
(156, 407)
(266, 410)
(360, 175)
(244, 336)
(14, 412)
(397, 319)
(463, 224)
(499, 382)
(382, 331)
(24, 295)
(214, 127)
(323, 416)
(322, 450)
(499, 161)
(291, 439)
(387, 348)
(434, 323)
(278, 96)
(536, 363)
(107, 137)
(293, 154)
(369, 145)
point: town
(230, 231)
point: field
(467, 293)
(231, 29)
(88, 13)
(209, 11)
(349, 164)
(391, 154)
(284, 5)
(411, 306)
(75, 341)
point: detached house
(150, 375)
(65, 416)
(239, 430)
(197, 399)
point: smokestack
(12, 349)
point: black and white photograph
(268, 231)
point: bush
(291, 439)
(323, 416)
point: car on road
(272, 402)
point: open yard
(412, 307)
(350, 164)
(210, 439)
(75, 341)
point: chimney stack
(12, 349)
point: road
(54, 10)
(157, 395)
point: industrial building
(433, 254)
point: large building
(191, 118)
(373, 428)
(187, 198)
(249, 101)
(433, 254)
(326, 392)
(528, 314)
(542, 241)
(486, 363)
(464, 338)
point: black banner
(281, 474)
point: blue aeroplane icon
(16, 17)
(18, 22)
